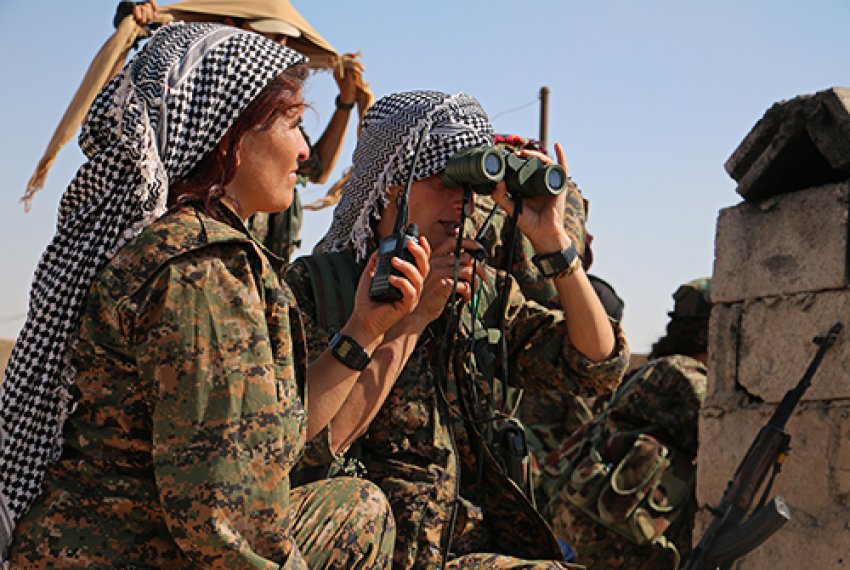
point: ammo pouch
(627, 481)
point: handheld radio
(395, 244)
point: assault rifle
(726, 538)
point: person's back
(655, 411)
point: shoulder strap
(334, 278)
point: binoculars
(481, 168)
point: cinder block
(840, 458)
(776, 346)
(786, 244)
(805, 476)
(723, 440)
(723, 332)
(824, 546)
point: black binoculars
(481, 168)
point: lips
(451, 227)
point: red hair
(205, 183)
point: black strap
(333, 277)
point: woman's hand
(373, 318)
(440, 280)
(542, 217)
(145, 13)
(346, 73)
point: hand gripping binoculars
(481, 168)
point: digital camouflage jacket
(189, 373)
(409, 450)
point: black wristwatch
(562, 262)
(349, 352)
(343, 106)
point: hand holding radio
(396, 245)
(407, 278)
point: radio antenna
(401, 215)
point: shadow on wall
(5, 350)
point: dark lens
(492, 164)
(555, 179)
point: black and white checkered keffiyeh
(151, 124)
(385, 150)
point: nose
(455, 198)
(303, 147)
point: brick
(797, 144)
(724, 439)
(804, 481)
(723, 331)
(776, 346)
(840, 458)
(825, 546)
(786, 244)
(802, 543)
(817, 518)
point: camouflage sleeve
(543, 358)
(220, 436)
(318, 450)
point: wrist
(342, 105)
(362, 334)
(552, 244)
(349, 352)
(415, 323)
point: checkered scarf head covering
(150, 125)
(390, 131)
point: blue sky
(648, 98)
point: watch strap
(343, 106)
(349, 352)
(563, 262)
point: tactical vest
(629, 476)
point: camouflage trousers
(501, 562)
(341, 523)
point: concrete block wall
(781, 278)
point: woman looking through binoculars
(431, 447)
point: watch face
(347, 351)
(344, 348)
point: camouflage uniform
(549, 416)
(189, 387)
(410, 453)
(663, 398)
